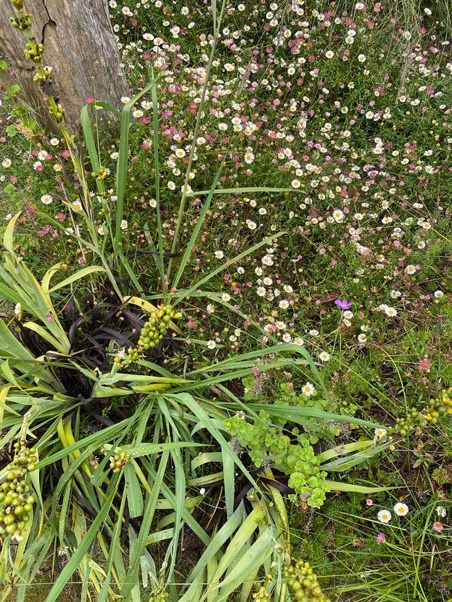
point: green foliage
(269, 444)
(267, 214)
(14, 90)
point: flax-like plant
(149, 487)
(111, 476)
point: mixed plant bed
(226, 322)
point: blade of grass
(89, 139)
(80, 552)
(133, 489)
(291, 412)
(105, 105)
(342, 464)
(229, 483)
(123, 159)
(351, 488)
(341, 450)
(155, 118)
(153, 248)
(104, 591)
(79, 274)
(245, 190)
(193, 145)
(171, 498)
(132, 573)
(116, 533)
(206, 457)
(197, 228)
(180, 500)
(63, 513)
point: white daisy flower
(401, 509)
(308, 389)
(384, 516)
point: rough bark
(80, 47)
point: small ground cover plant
(242, 346)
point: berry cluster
(17, 502)
(22, 20)
(155, 329)
(303, 582)
(436, 408)
(152, 333)
(404, 425)
(117, 463)
(439, 407)
(33, 51)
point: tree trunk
(79, 45)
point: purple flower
(343, 304)
(381, 538)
